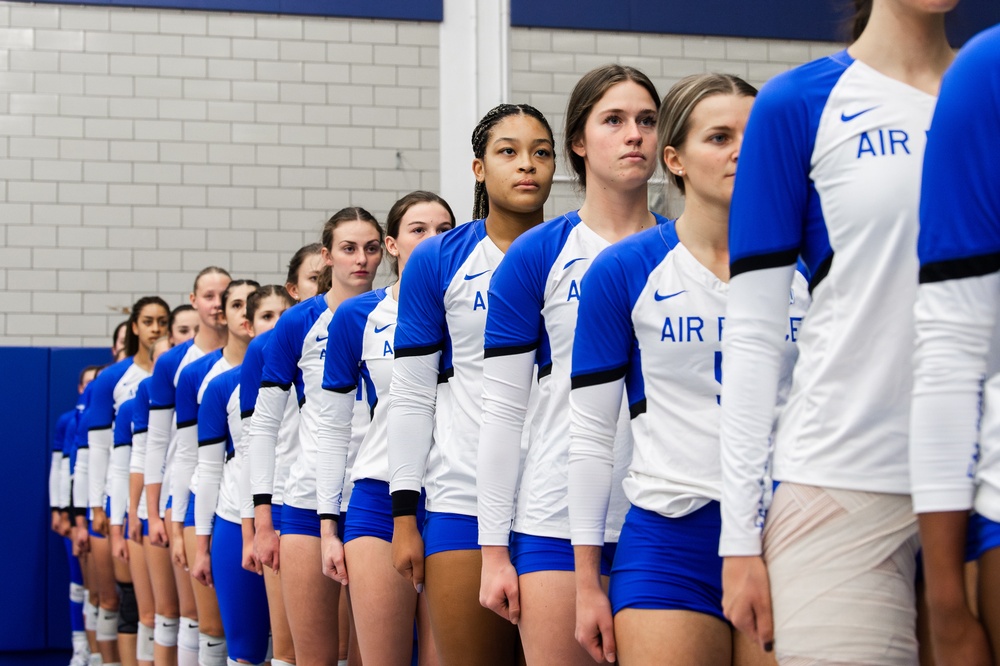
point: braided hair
(481, 136)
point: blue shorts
(449, 531)
(145, 527)
(305, 522)
(276, 517)
(189, 515)
(669, 563)
(170, 502)
(983, 535)
(371, 511)
(241, 595)
(530, 553)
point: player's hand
(55, 521)
(99, 520)
(202, 571)
(177, 554)
(158, 532)
(81, 540)
(267, 546)
(408, 551)
(957, 638)
(498, 588)
(595, 627)
(134, 527)
(65, 526)
(119, 546)
(746, 598)
(249, 559)
(334, 566)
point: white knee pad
(278, 662)
(77, 593)
(95, 659)
(165, 630)
(89, 615)
(144, 643)
(107, 625)
(211, 650)
(187, 639)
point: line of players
(525, 446)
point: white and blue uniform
(829, 172)
(359, 353)
(119, 492)
(436, 391)
(533, 301)
(112, 387)
(65, 427)
(190, 389)
(651, 320)
(955, 444)
(137, 456)
(288, 432)
(241, 595)
(162, 431)
(77, 496)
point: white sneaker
(80, 659)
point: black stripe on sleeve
(262, 499)
(283, 387)
(544, 371)
(154, 408)
(821, 272)
(302, 402)
(509, 351)
(246, 413)
(443, 377)
(341, 389)
(418, 351)
(596, 378)
(763, 261)
(98, 428)
(405, 503)
(637, 409)
(230, 455)
(957, 269)
(329, 516)
(209, 442)
(187, 424)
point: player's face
(420, 221)
(184, 328)
(307, 284)
(518, 164)
(236, 309)
(207, 299)
(268, 310)
(88, 377)
(354, 255)
(150, 325)
(712, 148)
(618, 145)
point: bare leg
(100, 552)
(669, 637)
(281, 635)
(748, 653)
(161, 575)
(989, 597)
(311, 601)
(143, 588)
(548, 619)
(209, 619)
(464, 631)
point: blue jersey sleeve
(186, 399)
(162, 388)
(123, 423)
(960, 198)
(101, 410)
(284, 348)
(421, 326)
(775, 214)
(342, 366)
(250, 374)
(59, 441)
(213, 421)
(140, 409)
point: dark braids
(481, 136)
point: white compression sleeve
(333, 441)
(412, 401)
(955, 326)
(263, 438)
(157, 443)
(756, 322)
(243, 454)
(211, 459)
(100, 442)
(54, 467)
(182, 470)
(594, 414)
(119, 471)
(506, 391)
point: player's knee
(128, 609)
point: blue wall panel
(403, 10)
(824, 20)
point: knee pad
(187, 637)
(107, 625)
(211, 651)
(90, 613)
(278, 662)
(165, 630)
(95, 659)
(128, 609)
(77, 593)
(144, 643)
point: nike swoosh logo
(573, 261)
(473, 277)
(321, 339)
(379, 330)
(848, 118)
(663, 297)
(192, 626)
(211, 644)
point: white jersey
(829, 172)
(532, 320)
(434, 434)
(219, 426)
(955, 445)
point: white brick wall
(547, 64)
(137, 146)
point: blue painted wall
(39, 384)
(401, 10)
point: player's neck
(339, 293)
(235, 350)
(209, 339)
(504, 226)
(615, 214)
(703, 228)
(143, 359)
(908, 46)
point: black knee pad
(128, 609)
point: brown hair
(299, 258)
(862, 12)
(674, 121)
(131, 339)
(209, 270)
(349, 214)
(481, 136)
(398, 210)
(254, 299)
(588, 91)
